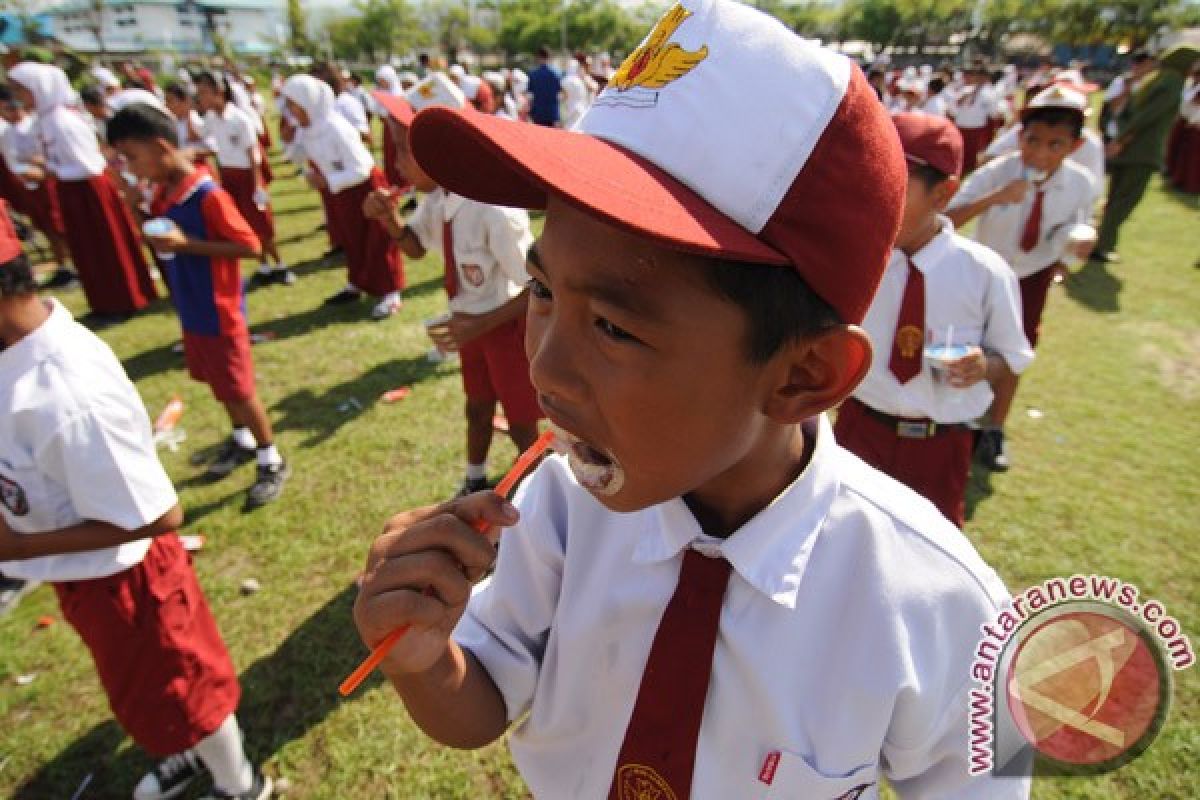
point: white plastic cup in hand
(438, 330)
(1079, 237)
(158, 227)
(261, 199)
(941, 356)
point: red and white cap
(435, 90)
(10, 244)
(723, 134)
(1058, 95)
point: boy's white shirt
(1067, 202)
(20, 143)
(1089, 156)
(232, 135)
(968, 287)
(76, 442)
(845, 643)
(490, 247)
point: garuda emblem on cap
(657, 61)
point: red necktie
(905, 362)
(1033, 225)
(451, 277)
(659, 751)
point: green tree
(299, 41)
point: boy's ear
(818, 372)
(1078, 142)
(944, 192)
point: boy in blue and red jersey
(208, 239)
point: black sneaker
(261, 789)
(261, 278)
(269, 484)
(231, 456)
(170, 777)
(343, 297)
(991, 451)
(473, 485)
(284, 277)
(11, 592)
(61, 279)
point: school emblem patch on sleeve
(13, 497)
(655, 63)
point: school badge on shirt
(473, 274)
(638, 782)
(655, 63)
(13, 497)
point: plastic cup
(1080, 234)
(940, 356)
(159, 226)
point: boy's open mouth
(596, 470)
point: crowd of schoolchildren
(916, 333)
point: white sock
(476, 472)
(391, 297)
(269, 456)
(222, 753)
(350, 287)
(244, 438)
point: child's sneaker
(284, 277)
(473, 485)
(12, 590)
(991, 451)
(231, 456)
(269, 484)
(170, 777)
(385, 308)
(261, 789)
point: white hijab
(387, 74)
(329, 137)
(48, 85)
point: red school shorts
(223, 362)
(1034, 289)
(935, 468)
(162, 662)
(494, 367)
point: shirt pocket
(795, 778)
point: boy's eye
(538, 289)
(613, 332)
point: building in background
(245, 27)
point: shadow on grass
(284, 695)
(288, 212)
(979, 488)
(152, 362)
(1095, 287)
(322, 415)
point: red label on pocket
(770, 764)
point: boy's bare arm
(419, 573)
(1012, 192)
(82, 538)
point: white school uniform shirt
(975, 106)
(968, 286)
(21, 144)
(187, 138)
(935, 105)
(352, 109)
(1067, 202)
(845, 641)
(1090, 155)
(490, 246)
(233, 135)
(75, 445)
(70, 144)
(338, 152)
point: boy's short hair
(16, 277)
(7, 97)
(91, 95)
(936, 85)
(1055, 117)
(779, 306)
(927, 175)
(178, 91)
(543, 52)
(141, 122)
(215, 81)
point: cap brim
(397, 107)
(518, 164)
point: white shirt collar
(770, 552)
(927, 258)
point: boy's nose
(554, 365)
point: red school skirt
(373, 259)
(42, 206)
(164, 667)
(1183, 157)
(394, 176)
(104, 245)
(975, 141)
(240, 184)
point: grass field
(1105, 481)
